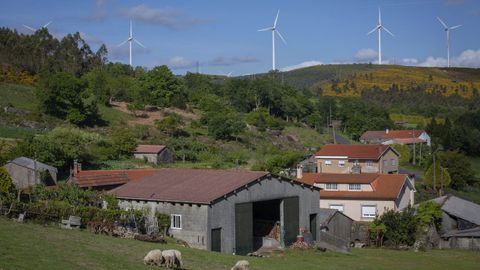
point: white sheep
(153, 257)
(241, 265)
(172, 257)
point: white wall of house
(353, 208)
(151, 158)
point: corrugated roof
(392, 134)
(187, 185)
(385, 186)
(149, 148)
(97, 178)
(326, 214)
(473, 232)
(360, 151)
(30, 163)
(459, 207)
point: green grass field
(32, 246)
(20, 96)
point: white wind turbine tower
(33, 29)
(274, 30)
(379, 28)
(447, 29)
(130, 40)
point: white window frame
(385, 162)
(328, 162)
(369, 163)
(338, 207)
(369, 215)
(393, 162)
(355, 185)
(330, 188)
(341, 163)
(173, 224)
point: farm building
(388, 137)
(26, 172)
(157, 154)
(230, 211)
(335, 229)
(460, 223)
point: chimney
(386, 131)
(299, 171)
(77, 166)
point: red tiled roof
(96, 178)
(385, 186)
(392, 134)
(149, 148)
(187, 185)
(360, 151)
(408, 140)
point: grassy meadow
(38, 247)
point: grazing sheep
(153, 257)
(241, 265)
(172, 257)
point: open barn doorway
(266, 224)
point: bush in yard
(429, 213)
(7, 188)
(400, 227)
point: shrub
(400, 227)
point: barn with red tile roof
(225, 210)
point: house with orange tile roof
(153, 153)
(362, 197)
(357, 158)
(388, 137)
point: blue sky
(222, 35)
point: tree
(404, 151)
(442, 177)
(7, 188)
(63, 96)
(163, 87)
(398, 228)
(170, 124)
(459, 168)
(123, 143)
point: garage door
(243, 228)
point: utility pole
(414, 150)
(434, 173)
(332, 126)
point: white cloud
(167, 17)
(302, 65)
(468, 58)
(180, 62)
(366, 55)
(409, 61)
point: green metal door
(217, 239)
(243, 228)
(290, 219)
(313, 226)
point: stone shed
(26, 172)
(231, 211)
(152, 153)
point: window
(369, 163)
(355, 162)
(354, 187)
(369, 211)
(338, 207)
(341, 163)
(331, 186)
(176, 222)
(393, 162)
(328, 162)
(385, 162)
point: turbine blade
(138, 42)
(266, 29)
(281, 37)
(229, 74)
(379, 16)
(444, 25)
(373, 30)
(386, 30)
(122, 43)
(455, 27)
(29, 28)
(47, 24)
(131, 31)
(276, 19)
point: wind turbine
(274, 30)
(131, 39)
(33, 29)
(379, 28)
(447, 29)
